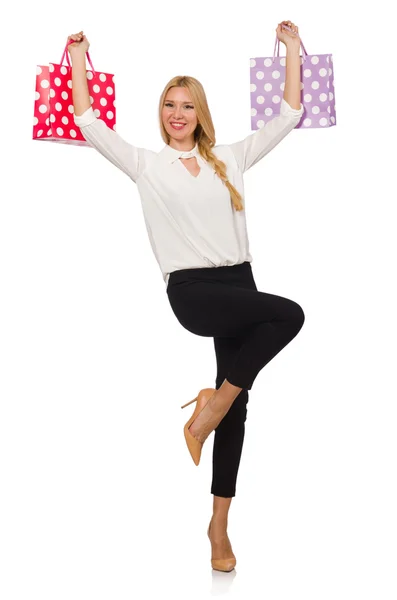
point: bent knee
(297, 315)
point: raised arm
(256, 145)
(128, 158)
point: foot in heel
(206, 420)
(193, 444)
(222, 556)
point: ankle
(221, 401)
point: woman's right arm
(255, 146)
(80, 93)
(128, 158)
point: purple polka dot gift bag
(53, 107)
(317, 89)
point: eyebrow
(186, 101)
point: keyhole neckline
(189, 172)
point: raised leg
(214, 411)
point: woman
(191, 193)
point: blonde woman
(192, 197)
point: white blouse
(191, 221)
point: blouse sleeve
(128, 158)
(255, 146)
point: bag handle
(278, 47)
(65, 53)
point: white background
(99, 496)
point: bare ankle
(225, 395)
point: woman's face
(179, 108)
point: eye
(170, 104)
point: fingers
(76, 37)
(294, 28)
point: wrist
(76, 52)
(293, 47)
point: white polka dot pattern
(267, 82)
(53, 103)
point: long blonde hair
(204, 133)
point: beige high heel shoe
(222, 564)
(194, 445)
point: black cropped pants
(249, 328)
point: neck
(185, 146)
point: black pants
(249, 328)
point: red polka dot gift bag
(267, 78)
(53, 107)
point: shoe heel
(194, 445)
(191, 402)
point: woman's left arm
(255, 146)
(292, 42)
